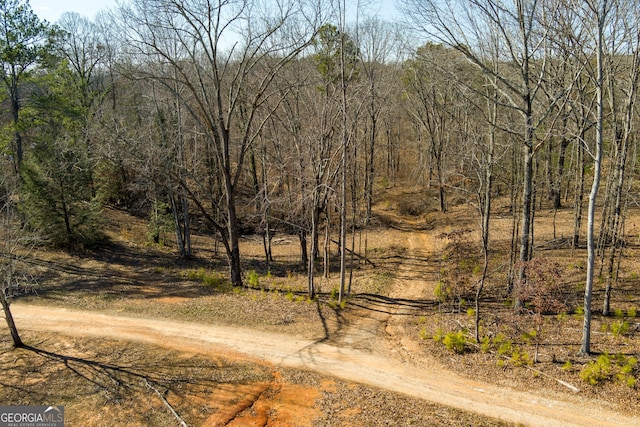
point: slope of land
(303, 362)
(437, 385)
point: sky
(51, 10)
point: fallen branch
(537, 371)
(558, 380)
(167, 404)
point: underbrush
(542, 338)
(543, 345)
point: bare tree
(599, 13)
(377, 45)
(224, 56)
(434, 78)
(622, 82)
(472, 28)
(12, 234)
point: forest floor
(130, 333)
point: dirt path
(355, 354)
(436, 385)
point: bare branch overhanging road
(436, 385)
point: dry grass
(133, 277)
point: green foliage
(519, 357)
(253, 279)
(160, 223)
(485, 345)
(24, 36)
(505, 348)
(424, 334)
(619, 328)
(442, 292)
(529, 336)
(632, 312)
(57, 200)
(610, 368)
(618, 312)
(330, 44)
(112, 184)
(209, 278)
(567, 366)
(289, 295)
(456, 341)
(58, 196)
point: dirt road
(436, 385)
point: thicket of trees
(281, 115)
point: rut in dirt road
(362, 366)
(373, 323)
(365, 350)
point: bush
(208, 278)
(160, 223)
(253, 279)
(619, 328)
(543, 287)
(456, 341)
(608, 368)
(438, 336)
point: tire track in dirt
(414, 282)
(364, 366)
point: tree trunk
(15, 336)
(327, 247)
(618, 220)
(579, 193)
(315, 217)
(370, 156)
(485, 213)
(181, 225)
(564, 144)
(527, 196)
(304, 254)
(186, 227)
(233, 249)
(588, 291)
(17, 136)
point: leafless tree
(621, 79)
(601, 15)
(223, 57)
(472, 28)
(13, 238)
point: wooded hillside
(288, 117)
